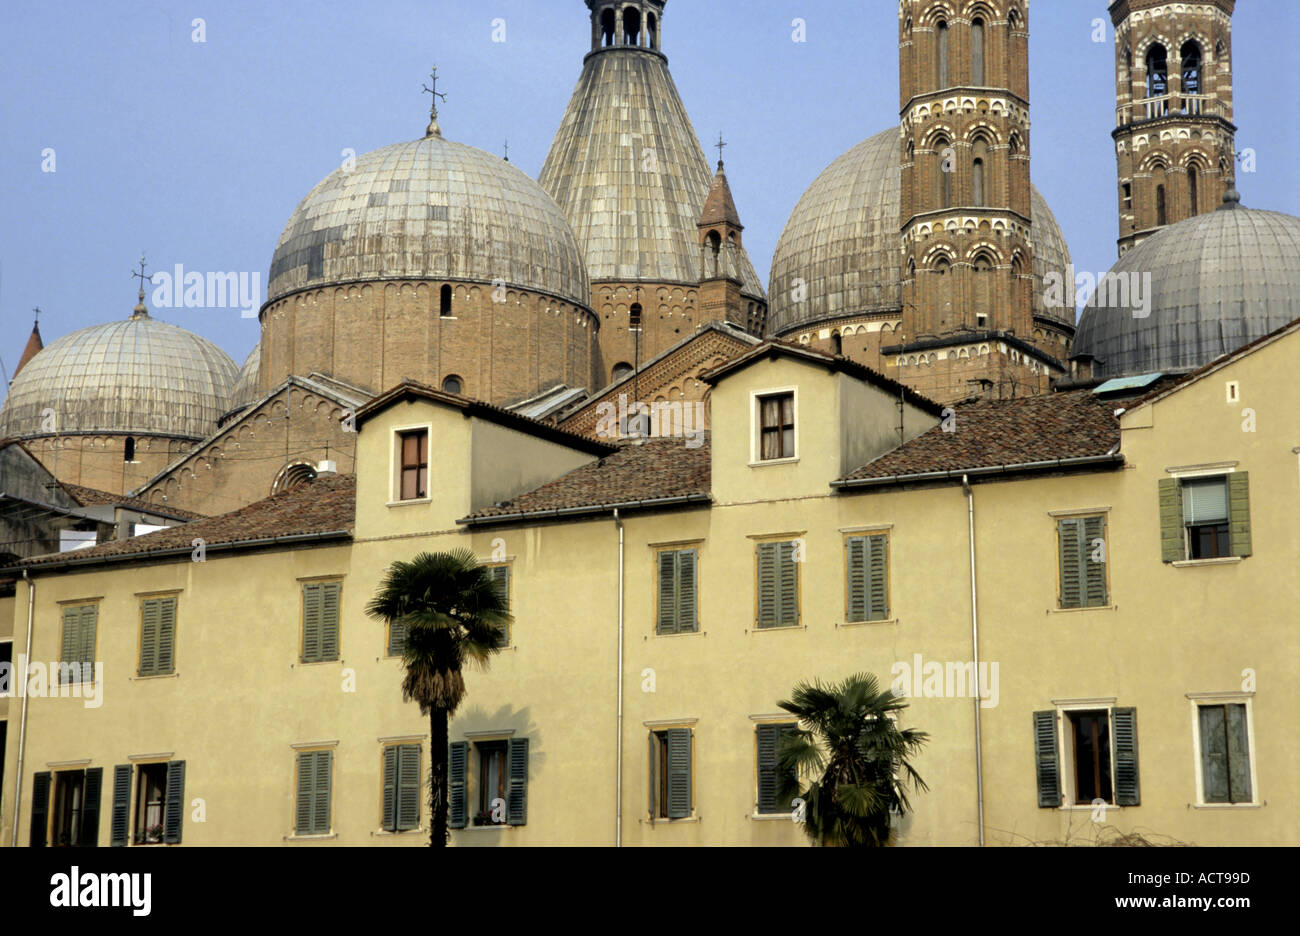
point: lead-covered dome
(139, 376)
(1218, 281)
(842, 241)
(429, 209)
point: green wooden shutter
(768, 738)
(878, 577)
(1239, 513)
(91, 794)
(397, 637)
(1072, 557)
(166, 636)
(517, 789)
(1239, 790)
(71, 638)
(457, 772)
(149, 617)
(329, 626)
(501, 584)
(390, 788)
(1049, 769)
(1094, 579)
(408, 787)
(679, 773)
(1171, 521)
(174, 802)
(312, 604)
(89, 618)
(789, 585)
(40, 808)
(856, 570)
(687, 590)
(655, 767)
(320, 806)
(1214, 754)
(768, 612)
(119, 824)
(1124, 729)
(303, 811)
(666, 622)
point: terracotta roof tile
(326, 505)
(651, 470)
(993, 433)
(90, 497)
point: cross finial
(140, 309)
(507, 151)
(720, 145)
(433, 129)
(37, 310)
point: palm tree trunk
(438, 779)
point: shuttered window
(1101, 747)
(867, 561)
(312, 814)
(396, 638)
(457, 784)
(678, 591)
(501, 769)
(78, 643)
(1205, 518)
(501, 579)
(671, 774)
(320, 621)
(157, 636)
(1047, 759)
(767, 741)
(401, 787)
(778, 585)
(1225, 754)
(1081, 547)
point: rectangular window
(402, 785)
(677, 594)
(774, 784)
(1205, 518)
(776, 426)
(1099, 749)
(157, 636)
(778, 584)
(501, 578)
(150, 801)
(413, 448)
(867, 587)
(320, 621)
(78, 642)
(1128, 196)
(1081, 551)
(1089, 735)
(493, 777)
(312, 815)
(1225, 753)
(671, 774)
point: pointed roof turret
(34, 343)
(720, 207)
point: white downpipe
(975, 650)
(618, 799)
(22, 725)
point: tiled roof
(326, 505)
(996, 433)
(654, 470)
(90, 497)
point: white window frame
(756, 426)
(395, 465)
(1065, 750)
(1196, 700)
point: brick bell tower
(967, 257)
(1173, 111)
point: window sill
(771, 817)
(159, 676)
(866, 623)
(784, 627)
(766, 462)
(1105, 607)
(1222, 560)
(1226, 805)
(387, 834)
(336, 662)
(690, 633)
(488, 827)
(662, 821)
(413, 502)
(311, 838)
(1087, 807)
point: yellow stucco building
(1121, 576)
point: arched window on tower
(715, 247)
(1161, 216)
(837, 344)
(1157, 71)
(943, 174)
(634, 315)
(941, 55)
(444, 302)
(608, 21)
(128, 451)
(652, 31)
(1191, 74)
(977, 52)
(453, 384)
(1193, 190)
(621, 369)
(977, 173)
(631, 26)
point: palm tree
(452, 612)
(854, 755)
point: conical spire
(720, 207)
(34, 343)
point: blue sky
(197, 153)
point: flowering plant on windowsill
(153, 834)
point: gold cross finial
(140, 309)
(433, 130)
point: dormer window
(776, 426)
(413, 449)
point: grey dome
(429, 209)
(139, 376)
(1218, 281)
(245, 393)
(843, 242)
